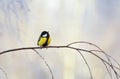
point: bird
(44, 39)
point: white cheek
(45, 35)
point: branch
(4, 72)
(45, 63)
(107, 63)
(86, 64)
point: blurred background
(22, 21)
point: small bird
(44, 39)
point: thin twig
(86, 64)
(105, 62)
(4, 72)
(29, 48)
(45, 63)
(91, 50)
(109, 72)
(108, 56)
(112, 66)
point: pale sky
(22, 21)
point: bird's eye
(45, 35)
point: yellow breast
(42, 41)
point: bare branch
(86, 64)
(45, 63)
(4, 72)
(107, 62)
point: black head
(44, 34)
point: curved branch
(45, 63)
(4, 72)
(105, 62)
(86, 64)
(101, 51)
